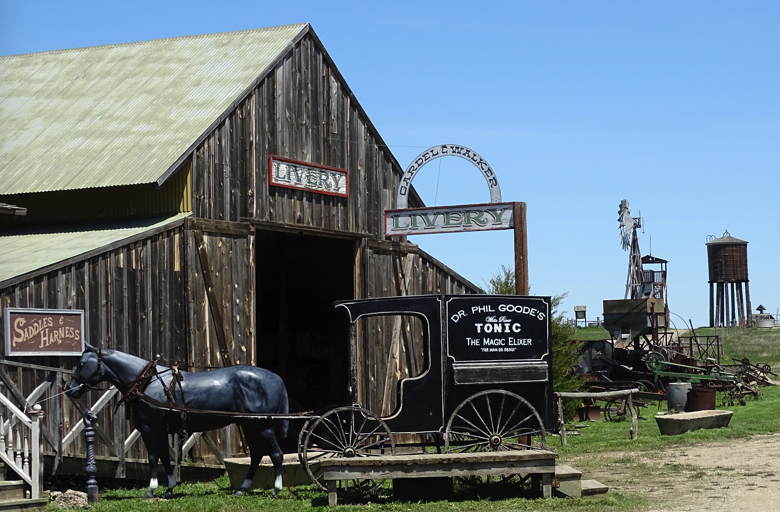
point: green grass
(757, 417)
(758, 345)
(591, 333)
(216, 496)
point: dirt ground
(739, 476)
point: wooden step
(591, 487)
(564, 472)
(12, 489)
(18, 505)
(567, 481)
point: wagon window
(395, 349)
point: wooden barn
(204, 199)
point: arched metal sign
(404, 221)
(430, 154)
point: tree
(565, 349)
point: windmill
(629, 240)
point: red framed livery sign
(43, 332)
(321, 179)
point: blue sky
(577, 105)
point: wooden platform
(538, 463)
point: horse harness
(135, 390)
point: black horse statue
(158, 397)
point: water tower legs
(730, 304)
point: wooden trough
(674, 424)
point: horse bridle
(96, 376)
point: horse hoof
(239, 492)
(148, 495)
(168, 495)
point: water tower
(729, 299)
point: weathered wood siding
(391, 348)
(304, 111)
(147, 298)
(133, 298)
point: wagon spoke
(322, 453)
(378, 426)
(326, 440)
(510, 416)
(487, 429)
(370, 445)
(490, 413)
(474, 426)
(469, 434)
(340, 428)
(517, 425)
(500, 412)
(337, 433)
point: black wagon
(485, 384)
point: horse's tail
(283, 425)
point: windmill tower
(629, 240)
(643, 314)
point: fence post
(36, 471)
(561, 420)
(93, 492)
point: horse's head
(90, 371)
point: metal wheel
(652, 359)
(494, 420)
(615, 410)
(349, 431)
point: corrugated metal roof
(121, 114)
(22, 253)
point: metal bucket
(700, 399)
(677, 395)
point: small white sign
(449, 219)
(283, 172)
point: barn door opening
(299, 334)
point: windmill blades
(626, 224)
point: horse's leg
(255, 456)
(165, 457)
(150, 440)
(268, 437)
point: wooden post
(634, 432)
(333, 496)
(36, 468)
(748, 307)
(521, 248)
(561, 421)
(712, 304)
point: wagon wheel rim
(344, 432)
(494, 420)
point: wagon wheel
(349, 431)
(615, 410)
(652, 359)
(494, 420)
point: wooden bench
(538, 463)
